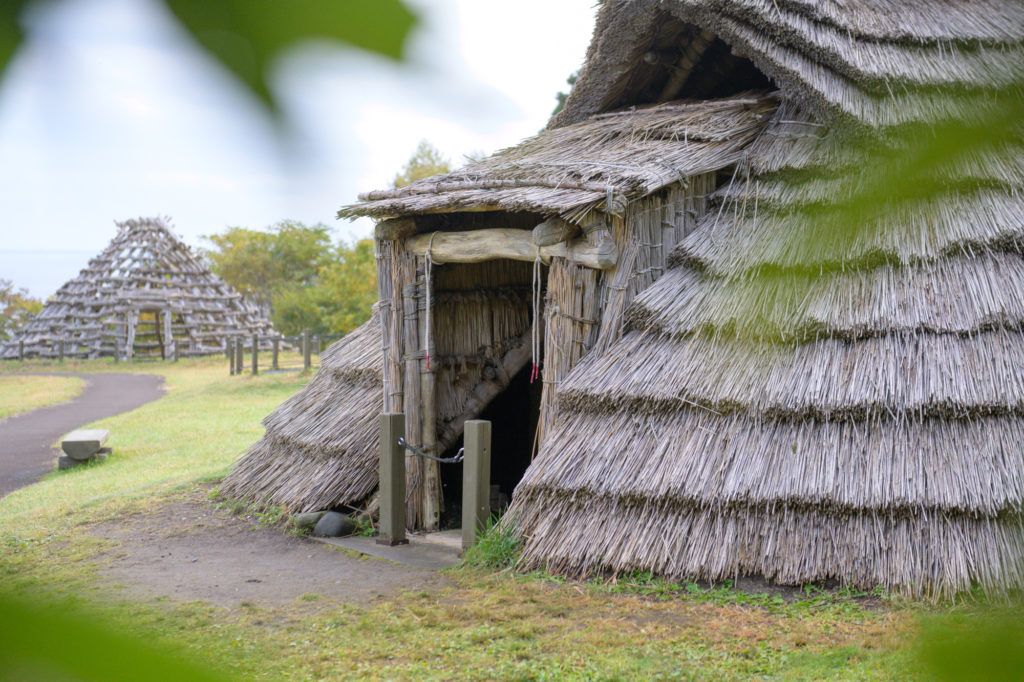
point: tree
(350, 282)
(262, 263)
(16, 308)
(562, 96)
(423, 163)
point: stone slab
(84, 443)
(428, 550)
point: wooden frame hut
(727, 387)
(145, 295)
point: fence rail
(276, 353)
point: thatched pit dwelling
(730, 385)
(146, 295)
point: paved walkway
(26, 441)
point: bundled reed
(118, 302)
(872, 63)
(570, 171)
(810, 392)
(321, 446)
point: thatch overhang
(873, 64)
(320, 448)
(601, 163)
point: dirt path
(26, 440)
(191, 550)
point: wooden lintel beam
(477, 246)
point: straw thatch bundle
(145, 294)
(320, 449)
(570, 171)
(819, 388)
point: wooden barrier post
(316, 345)
(307, 361)
(21, 349)
(275, 351)
(239, 355)
(476, 480)
(392, 480)
(255, 354)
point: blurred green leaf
(44, 641)
(11, 33)
(247, 35)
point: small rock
(333, 525)
(307, 520)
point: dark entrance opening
(513, 415)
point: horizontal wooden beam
(477, 246)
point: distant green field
(20, 394)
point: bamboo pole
(432, 500)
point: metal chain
(459, 456)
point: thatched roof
(569, 171)
(870, 62)
(320, 449)
(803, 398)
(144, 268)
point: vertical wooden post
(392, 480)
(276, 350)
(169, 345)
(60, 350)
(307, 362)
(316, 345)
(476, 480)
(432, 496)
(21, 349)
(255, 354)
(117, 349)
(239, 354)
(230, 344)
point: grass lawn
(20, 394)
(489, 624)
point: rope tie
(428, 270)
(535, 332)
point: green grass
(488, 623)
(19, 394)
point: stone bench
(82, 446)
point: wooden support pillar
(21, 349)
(274, 353)
(476, 480)
(131, 318)
(432, 499)
(168, 345)
(392, 480)
(230, 344)
(307, 361)
(255, 354)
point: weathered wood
(394, 229)
(554, 230)
(411, 397)
(230, 344)
(476, 480)
(432, 500)
(307, 361)
(255, 354)
(60, 352)
(84, 443)
(168, 338)
(477, 246)
(392, 480)
(275, 351)
(239, 355)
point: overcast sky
(109, 112)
